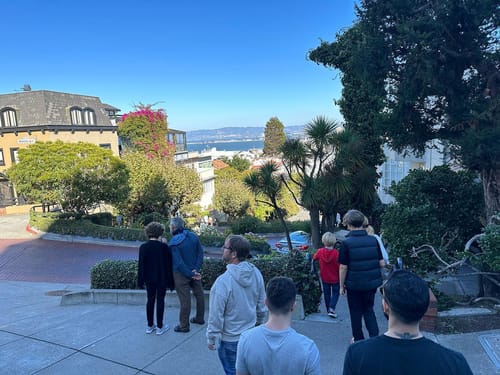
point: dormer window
(8, 118)
(76, 115)
(89, 116)
(82, 116)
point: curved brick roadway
(54, 261)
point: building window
(88, 116)
(105, 145)
(14, 155)
(2, 160)
(76, 115)
(8, 118)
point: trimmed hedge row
(116, 274)
(82, 226)
(251, 224)
(88, 226)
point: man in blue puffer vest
(360, 261)
(187, 255)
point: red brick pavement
(54, 261)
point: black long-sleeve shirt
(155, 265)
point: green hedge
(86, 226)
(116, 274)
(252, 224)
(76, 226)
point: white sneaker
(162, 330)
(150, 329)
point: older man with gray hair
(187, 255)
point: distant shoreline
(227, 145)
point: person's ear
(293, 306)
(265, 302)
(385, 306)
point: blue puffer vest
(363, 271)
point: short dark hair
(154, 230)
(407, 295)
(280, 293)
(354, 218)
(240, 245)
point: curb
(139, 297)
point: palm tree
(330, 171)
(266, 183)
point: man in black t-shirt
(403, 349)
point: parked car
(301, 241)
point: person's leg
(327, 292)
(200, 300)
(227, 356)
(150, 304)
(335, 296)
(368, 313)
(354, 302)
(160, 305)
(184, 294)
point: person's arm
(241, 352)
(217, 306)
(347, 363)
(179, 263)
(261, 308)
(313, 366)
(342, 274)
(344, 261)
(169, 268)
(199, 255)
(316, 254)
(140, 268)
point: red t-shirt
(328, 264)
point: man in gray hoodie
(236, 301)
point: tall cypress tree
(274, 136)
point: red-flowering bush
(146, 130)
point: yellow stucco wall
(24, 139)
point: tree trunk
(281, 218)
(315, 227)
(491, 189)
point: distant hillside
(238, 133)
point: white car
(301, 241)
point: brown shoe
(200, 322)
(181, 329)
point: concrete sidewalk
(39, 336)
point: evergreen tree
(429, 70)
(274, 137)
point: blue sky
(209, 64)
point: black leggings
(156, 294)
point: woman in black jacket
(155, 270)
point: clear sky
(209, 64)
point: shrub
(145, 218)
(70, 225)
(251, 224)
(102, 218)
(490, 246)
(296, 266)
(114, 274)
(119, 274)
(258, 245)
(245, 224)
(440, 208)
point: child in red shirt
(329, 266)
